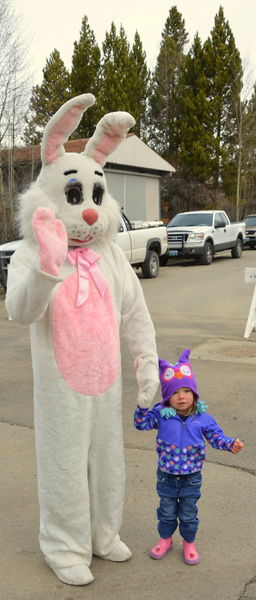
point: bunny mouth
(87, 239)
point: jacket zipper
(183, 425)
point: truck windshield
(250, 220)
(191, 219)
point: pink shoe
(190, 553)
(161, 548)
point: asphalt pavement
(226, 538)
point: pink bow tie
(85, 260)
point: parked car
(200, 234)
(250, 231)
(144, 244)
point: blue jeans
(178, 497)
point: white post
(250, 277)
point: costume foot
(120, 553)
(161, 548)
(77, 575)
(190, 553)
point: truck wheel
(206, 257)
(238, 249)
(150, 267)
(164, 259)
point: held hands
(142, 400)
(51, 236)
(237, 446)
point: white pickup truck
(144, 244)
(201, 234)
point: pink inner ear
(107, 145)
(55, 140)
(61, 131)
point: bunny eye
(74, 193)
(97, 194)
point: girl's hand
(237, 446)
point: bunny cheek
(80, 232)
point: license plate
(173, 252)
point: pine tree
(195, 139)
(139, 85)
(115, 93)
(85, 76)
(47, 98)
(223, 70)
(248, 157)
(32, 134)
(164, 112)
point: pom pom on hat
(173, 377)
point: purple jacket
(180, 443)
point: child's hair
(194, 405)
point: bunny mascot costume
(73, 285)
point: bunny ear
(61, 125)
(109, 133)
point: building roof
(134, 153)
(131, 153)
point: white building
(133, 172)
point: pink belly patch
(85, 338)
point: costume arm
(28, 288)
(138, 331)
(216, 437)
(145, 419)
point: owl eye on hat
(173, 377)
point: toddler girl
(182, 424)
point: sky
(56, 24)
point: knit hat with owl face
(173, 377)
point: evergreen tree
(85, 76)
(195, 155)
(32, 134)
(248, 156)
(164, 112)
(139, 85)
(223, 70)
(47, 98)
(115, 93)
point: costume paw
(143, 401)
(51, 237)
(120, 553)
(77, 575)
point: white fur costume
(75, 305)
